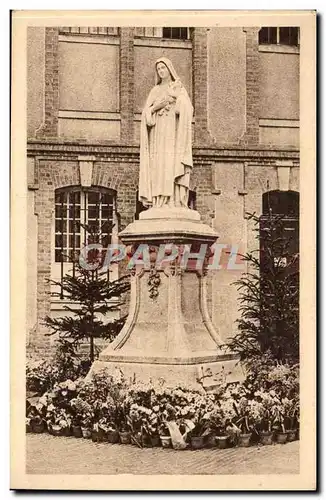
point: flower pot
(266, 438)
(281, 437)
(99, 436)
(125, 437)
(38, 428)
(112, 437)
(222, 442)
(76, 431)
(66, 431)
(210, 441)
(87, 433)
(292, 435)
(244, 440)
(55, 430)
(166, 441)
(146, 442)
(155, 441)
(197, 442)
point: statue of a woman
(165, 141)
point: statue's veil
(170, 67)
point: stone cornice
(71, 150)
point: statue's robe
(165, 145)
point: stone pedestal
(169, 334)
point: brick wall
(127, 93)
(49, 127)
(199, 78)
(52, 174)
(251, 136)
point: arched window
(281, 207)
(81, 217)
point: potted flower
(28, 424)
(242, 421)
(291, 417)
(164, 435)
(58, 421)
(83, 416)
(265, 401)
(123, 422)
(86, 425)
(134, 420)
(149, 428)
(36, 416)
(278, 425)
(201, 428)
(76, 426)
(217, 426)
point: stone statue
(165, 141)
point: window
(171, 33)
(279, 36)
(83, 30)
(179, 33)
(281, 209)
(82, 217)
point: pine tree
(93, 296)
(268, 296)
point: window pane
(167, 32)
(74, 211)
(284, 36)
(73, 239)
(60, 226)
(74, 227)
(268, 35)
(61, 197)
(58, 256)
(93, 212)
(107, 212)
(60, 240)
(175, 32)
(60, 212)
(74, 197)
(93, 197)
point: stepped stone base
(169, 334)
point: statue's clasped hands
(164, 103)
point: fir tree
(93, 296)
(268, 296)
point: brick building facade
(85, 90)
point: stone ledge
(109, 152)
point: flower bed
(110, 409)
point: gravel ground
(47, 454)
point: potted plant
(87, 425)
(261, 414)
(58, 421)
(200, 430)
(291, 417)
(243, 422)
(123, 422)
(164, 435)
(36, 414)
(28, 424)
(278, 425)
(76, 426)
(217, 426)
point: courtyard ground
(47, 454)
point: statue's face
(162, 71)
